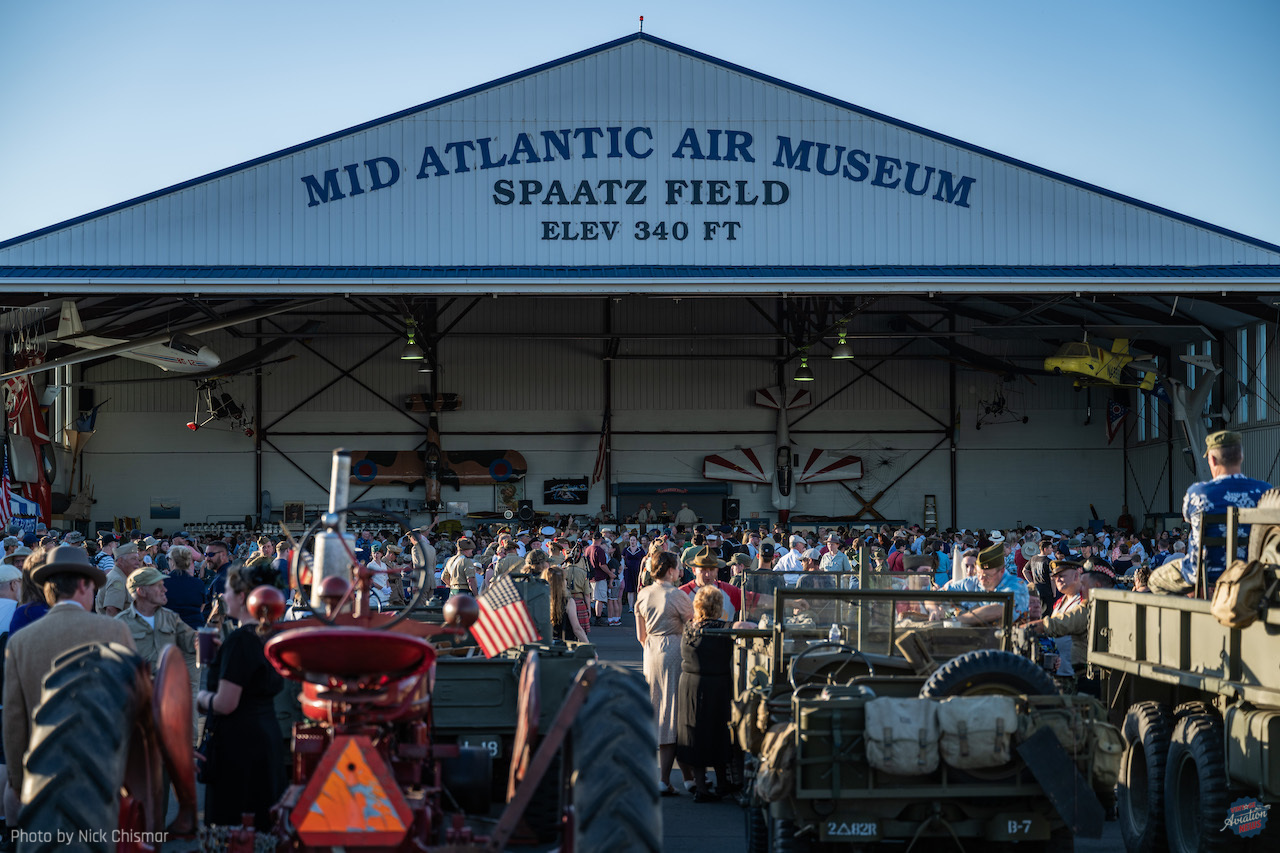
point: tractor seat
(356, 655)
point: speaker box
(524, 510)
(732, 510)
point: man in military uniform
(991, 577)
(1069, 624)
(1228, 488)
(155, 626)
(459, 573)
(114, 596)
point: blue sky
(1175, 103)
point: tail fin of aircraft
(1120, 345)
(69, 325)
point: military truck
(1198, 702)
(862, 729)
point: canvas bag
(977, 731)
(775, 778)
(1238, 595)
(902, 735)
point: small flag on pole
(1116, 414)
(597, 474)
(6, 494)
(504, 619)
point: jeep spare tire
(987, 672)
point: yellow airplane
(1096, 366)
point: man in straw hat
(1228, 488)
(991, 577)
(69, 581)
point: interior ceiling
(1151, 322)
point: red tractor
(366, 772)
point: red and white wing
(772, 398)
(821, 466)
(743, 465)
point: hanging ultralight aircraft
(177, 352)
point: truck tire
(988, 672)
(756, 829)
(615, 770)
(80, 737)
(783, 838)
(1140, 794)
(1195, 787)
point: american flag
(504, 619)
(602, 453)
(6, 494)
(1115, 414)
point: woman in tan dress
(662, 610)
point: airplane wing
(742, 465)
(822, 466)
(159, 338)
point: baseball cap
(143, 577)
(814, 554)
(126, 549)
(9, 573)
(105, 536)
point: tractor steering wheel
(841, 647)
(328, 521)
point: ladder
(930, 511)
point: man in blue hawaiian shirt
(1227, 488)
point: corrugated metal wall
(545, 397)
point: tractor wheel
(80, 739)
(1140, 794)
(987, 672)
(615, 772)
(1195, 786)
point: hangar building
(617, 250)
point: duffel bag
(902, 735)
(977, 731)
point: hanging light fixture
(803, 373)
(411, 351)
(842, 350)
(425, 367)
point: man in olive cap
(153, 625)
(991, 577)
(1228, 488)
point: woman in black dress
(706, 691)
(245, 762)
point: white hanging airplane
(177, 352)
(776, 464)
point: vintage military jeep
(850, 741)
(1199, 701)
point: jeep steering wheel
(426, 574)
(840, 647)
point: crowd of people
(59, 590)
